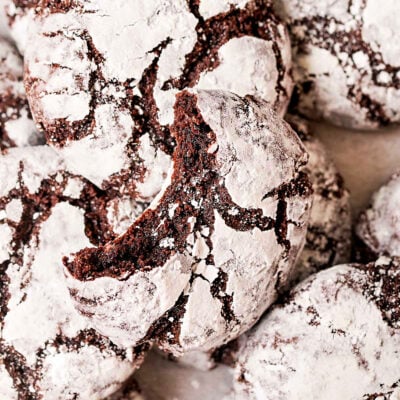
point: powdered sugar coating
(16, 124)
(7, 390)
(378, 226)
(47, 350)
(336, 337)
(346, 60)
(221, 237)
(329, 233)
(328, 240)
(21, 21)
(210, 8)
(96, 91)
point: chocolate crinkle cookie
(329, 232)
(98, 93)
(17, 128)
(328, 240)
(378, 226)
(48, 351)
(346, 60)
(209, 255)
(336, 337)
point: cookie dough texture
(102, 76)
(346, 60)
(329, 231)
(379, 225)
(16, 124)
(336, 337)
(47, 350)
(202, 264)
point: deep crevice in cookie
(167, 329)
(36, 209)
(195, 195)
(300, 185)
(24, 378)
(257, 19)
(218, 291)
(195, 183)
(383, 288)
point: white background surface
(366, 160)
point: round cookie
(16, 124)
(96, 92)
(336, 337)
(329, 232)
(328, 240)
(378, 226)
(346, 60)
(47, 350)
(209, 255)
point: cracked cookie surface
(346, 60)
(328, 240)
(378, 226)
(346, 316)
(211, 252)
(16, 125)
(99, 93)
(47, 350)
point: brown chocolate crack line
(10, 109)
(384, 395)
(25, 378)
(383, 288)
(257, 19)
(54, 6)
(37, 209)
(195, 180)
(347, 41)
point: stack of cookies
(160, 188)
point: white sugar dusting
(79, 43)
(379, 225)
(355, 89)
(294, 353)
(39, 307)
(18, 128)
(329, 233)
(252, 262)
